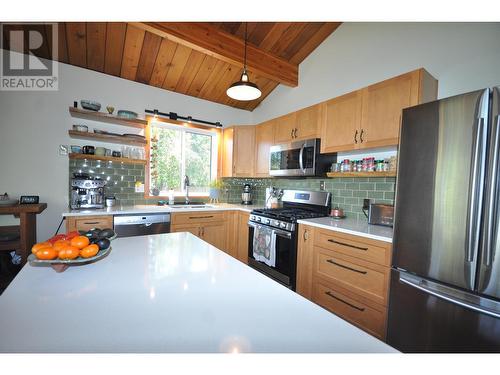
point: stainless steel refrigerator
(445, 281)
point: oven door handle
(278, 232)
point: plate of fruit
(72, 248)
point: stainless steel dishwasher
(141, 225)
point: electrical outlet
(322, 185)
(366, 203)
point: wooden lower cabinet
(346, 274)
(84, 223)
(215, 234)
(368, 316)
(305, 261)
(226, 230)
(242, 237)
(210, 226)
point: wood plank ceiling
(130, 52)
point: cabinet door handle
(92, 222)
(346, 267)
(306, 235)
(330, 294)
(291, 133)
(356, 137)
(201, 217)
(361, 135)
(202, 229)
(348, 245)
(295, 133)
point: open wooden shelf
(106, 158)
(362, 174)
(107, 138)
(104, 117)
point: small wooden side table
(27, 227)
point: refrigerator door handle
(452, 295)
(477, 190)
(489, 243)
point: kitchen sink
(187, 206)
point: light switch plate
(322, 185)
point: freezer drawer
(419, 321)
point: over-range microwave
(299, 159)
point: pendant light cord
(245, 58)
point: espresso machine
(246, 196)
(87, 192)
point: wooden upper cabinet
(238, 151)
(299, 125)
(341, 122)
(371, 117)
(264, 139)
(227, 152)
(383, 104)
(285, 128)
(307, 122)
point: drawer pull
(330, 294)
(346, 267)
(201, 217)
(348, 245)
(92, 222)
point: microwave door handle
(301, 158)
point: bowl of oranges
(72, 248)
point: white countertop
(352, 226)
(151, 208)
(167, 293)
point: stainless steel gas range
(272, 243)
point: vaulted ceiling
(196, 59)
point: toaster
(381, 214)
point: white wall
(462, 57)
(34, 124)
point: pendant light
(244, 90)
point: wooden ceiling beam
(214, 42)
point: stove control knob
(283, 225)
(257, 218)
(267, 221)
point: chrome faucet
(186, 187)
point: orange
(69, 252)
(89, 251)
(80, 242)
(39, 246)
(60, 244)
(46, 253)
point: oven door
(293, 159)
(286, 257)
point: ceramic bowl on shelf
(90, 105)
(76, 149)
(81, 128)
(127, 114)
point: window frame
(190, 128)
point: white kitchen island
(162, 294)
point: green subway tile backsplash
(120, 177)
(347, 192)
